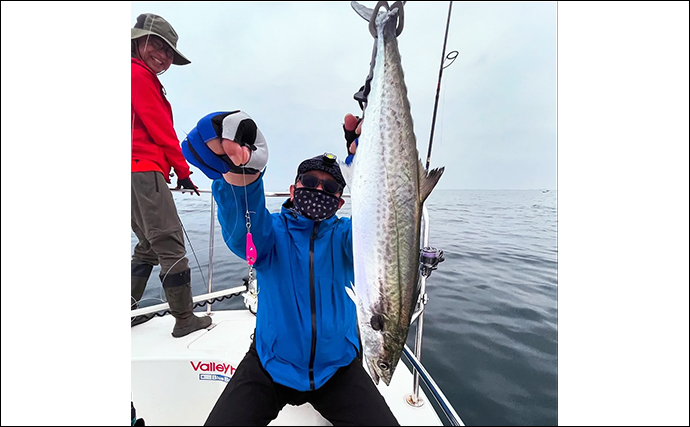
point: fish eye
(383, 366)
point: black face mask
(315, 204)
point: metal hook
(401, 17)
(372, 20)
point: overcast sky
(622, 170)
(295, 66)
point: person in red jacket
(155, 151)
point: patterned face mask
(315, 204)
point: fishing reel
(429, 260)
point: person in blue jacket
(306, 344)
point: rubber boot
(178, 291)
(140, 276)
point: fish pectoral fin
(427, 182)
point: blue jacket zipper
(312, 295)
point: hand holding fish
(353, 128)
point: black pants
(252, 398)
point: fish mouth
(373, 372)
(380, 370)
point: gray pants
(156, 224)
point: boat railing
(414, 358)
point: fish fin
(347, 169)
(427, 181)
(362, 10)
(350, 290)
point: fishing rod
(451, 57)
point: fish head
(382, 364)
(381, 368)
(383, 347)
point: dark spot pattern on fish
(389, 199)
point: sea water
(490, 336)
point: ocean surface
(491, 324)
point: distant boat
(544, 191)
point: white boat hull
(176, 381)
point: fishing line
(160, 292)
(193, 251)
(236, 200)
(146, 299)
(190, 240)
(250, 249)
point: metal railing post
(210, 250)
(422, 305)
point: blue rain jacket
(302, 269)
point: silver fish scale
(386, 213)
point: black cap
(326, 162)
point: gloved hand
(241, 129)
(235, 126)
(187, 184)
(352, 126)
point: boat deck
(176, 381)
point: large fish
(388, 186)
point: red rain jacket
(154, 142)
